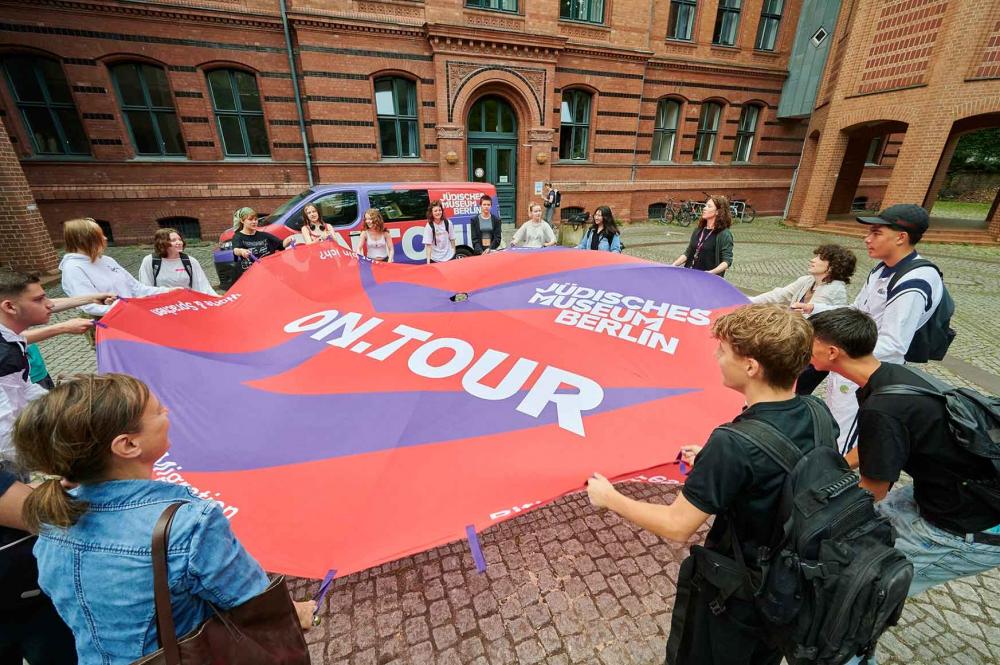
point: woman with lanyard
(603, 234)
(711, 246)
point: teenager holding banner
(94, 547)
(762, 349)
(249, 244)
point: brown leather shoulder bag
(262, 631)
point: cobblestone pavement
(566, 584)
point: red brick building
(142, 114)
(915, 75)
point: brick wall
(912, 63)
(454, 54)
(24, 244)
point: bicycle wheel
(749, 214)
(685, 216)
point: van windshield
(289, 204)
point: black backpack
(931, 341)
(973, 420)
(831, 582)
(185, 261)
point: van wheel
(463, 253)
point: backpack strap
(909, 267)
(186, 262)
(157, 264)
(822, 422)
(771, 441)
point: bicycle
(741, 210)
(688, 212)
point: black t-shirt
(13, 359)
(705, 259)
(732, 478)
(595, 238)
(910, 433)
(260, 244)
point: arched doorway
(492, 150)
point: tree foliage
(977, 151)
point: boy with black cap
(899, 313)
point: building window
(665, 132)
(770, 20)
(727, 22)
(875, 149)
(745, 132)
(495, 5)
(43, 97)
(574, 124)
(148, 108)
(396, 106)
(680, 23)
(238, 112)
(591, 11)
(708, 129)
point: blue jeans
(937, 556)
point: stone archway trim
(460, 74)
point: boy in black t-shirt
(947, 521)
(762, 349)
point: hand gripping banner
(346, 413)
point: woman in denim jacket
(603, 234)
(94, 554)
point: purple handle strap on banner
(253, 259)
(324, 588)
(477, 551)
(100, 324)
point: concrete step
(965, 236)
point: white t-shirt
(172, 273)
(440, 239)
(533, 235)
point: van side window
(338, 208)
(400, 205)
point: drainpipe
(298, 97)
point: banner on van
(346, 413)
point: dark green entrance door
(492, 141)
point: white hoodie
(82, 277)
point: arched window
(656, 211)
(665, 133)
(238, 113)
(396, 107)
(575, 124)
(148, 108)
(708, 129)
(745, 132)
(188, 227)
(42, 95)
(106, 228)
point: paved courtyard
(567, 584)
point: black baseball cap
(902, 216)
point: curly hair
(378, 222)
(723, 216)
(161, 241)
(842, 262)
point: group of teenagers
(95, 439)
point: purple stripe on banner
(324, 588)
(477, 551)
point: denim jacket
(602, 245)
(99, 572)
